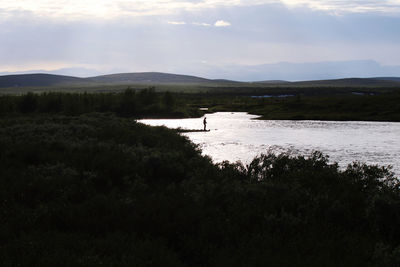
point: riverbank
(382, 107)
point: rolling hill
(350, 82)
(396, 79)
(148, 77)
(40, 79)
(155, 78)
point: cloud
(176, 22)
(293, 32)
(109, 9)
(348, 6)
(201, 24)
(222, 23)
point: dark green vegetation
(99, 190)
(342, 107)
(132, 103)
(367, 104)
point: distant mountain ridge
(41, 79)
(302, 71)
(395, 79)
(351, 82)
(278, 71)
(154, 78)
(272, 81)
(148, 77)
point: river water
(239, 136)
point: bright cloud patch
(176, 22)
(222, 23)
(201, 24)
(348, 6)
(78, 9)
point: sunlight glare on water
(239, 136)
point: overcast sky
(193, 36)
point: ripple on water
(238, 136)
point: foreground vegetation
(101, 190)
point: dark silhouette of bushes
(28, 103)
(96, 190)
(129, 103)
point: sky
(235, 39)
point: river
(240, 136)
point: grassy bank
(343, 107)
(101, 190)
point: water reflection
(238, 136)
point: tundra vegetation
(83, 184)
(363, 104)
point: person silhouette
(205, 123)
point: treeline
(132, 103)
(342, 107)
(100, 190)
(149, 103)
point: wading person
(205, 123)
